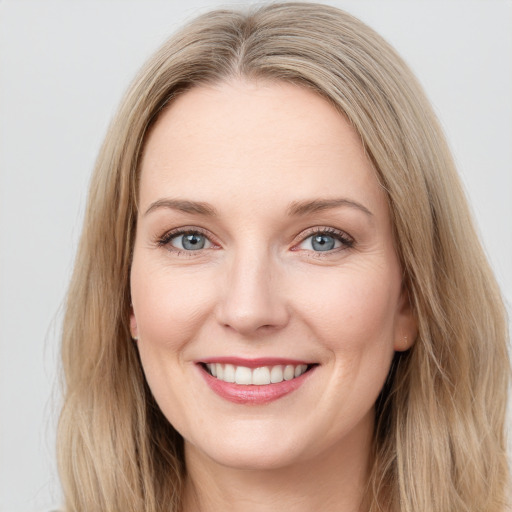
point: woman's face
(264, 255)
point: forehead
(255, 139)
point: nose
(253, 301)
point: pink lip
(251, 394)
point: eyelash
(347, 242)
(165, 240)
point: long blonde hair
(439, 442)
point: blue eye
(190, 241)
(324, 241)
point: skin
(253, 151)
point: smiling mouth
(259, 376)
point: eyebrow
(298, 208)
(181, 205)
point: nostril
(251, 301)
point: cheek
(353, 316)
(351, 309)
(169, 305)
(169, 309)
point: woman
(279, 302)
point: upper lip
(256, 362)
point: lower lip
(251, 394)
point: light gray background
(63, 68)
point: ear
(406, 327)
(134, 331)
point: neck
(330, 481)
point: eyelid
(165, 239)
(346, 240)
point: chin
(252, 459)
(254, 451)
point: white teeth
(289, 372)
(229, 373)
(243, 375)
(260, 376)
(299, 370)
(276, 374)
